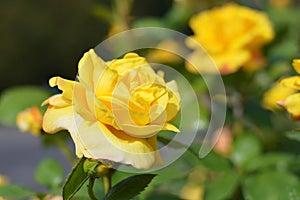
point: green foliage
(15, 191)
(162, 196)
(17, 99)
(245, 148)
(273, 161)
(75, 180)
(149, 22)
(269, 185)
(85, 169)
(130, 187)
(216, 162)
(222, 186)
(49, 173)
(294, 135)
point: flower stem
(123, 9)
(90, 188)
(66, 151)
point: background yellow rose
(30, 120)
(232, 35)
(291, 102)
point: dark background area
(41, 39)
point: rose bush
(232, 35)
(115, 109)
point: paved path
(20, 154)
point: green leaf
(246, 147)
(270, 185)
(15, 191)
(216, 162)
(75, 180)
(17, 99)
(222, 187)
(130, 187)
(49, 173)
(293, 135)
(162, 196)
(82, 193)
(178, 16)
(167, 178)
(279, 161)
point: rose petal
(129, 62)
(291, 104)
(291, 82)
(106, 83)
(171, 127)
(90, 68)
(57, 100)
(296, 65)
(101, 143)
(173, 106)
(66, 86)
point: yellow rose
(275, 94)
(232, 35)
(114, 110)
(291, 102)
(30, 120)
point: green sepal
(90, 166)
(82, 171)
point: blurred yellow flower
(195, 187)
(30, 120)
(280, 3)
(115, 109)
(232, 35)
(161, 55)
(291, 103)
(3, 180)
(276, 93)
